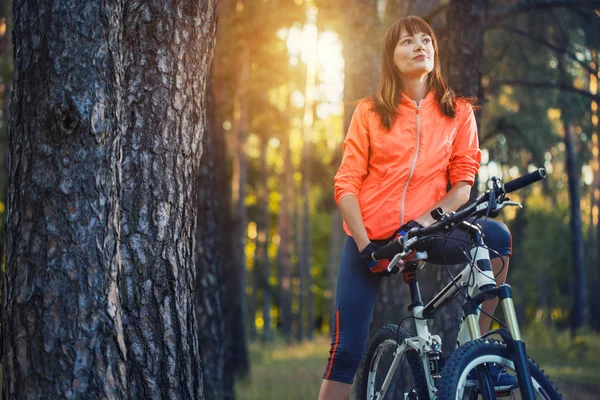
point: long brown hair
(385, 101)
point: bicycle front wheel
(408, 382)
(454, 383)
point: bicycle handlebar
(524, 180)
(448, 221)
(389, 250)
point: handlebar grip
(388, 251)
(524, 180)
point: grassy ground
(285, 372)
(295, 371)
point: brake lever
(508, 204)
(395, 261)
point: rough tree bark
(209, 265)
(6, 57)
(167, 50)
(63, 336)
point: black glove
(375, 266)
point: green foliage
(565, 358)
(541, 269)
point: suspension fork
(513, 339)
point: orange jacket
(398, 175)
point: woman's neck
(416, 89)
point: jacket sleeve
(466, 156)
(355, 155)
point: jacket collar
(427, 100)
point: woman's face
(414, 54)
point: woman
(402, 148)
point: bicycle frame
(479, 273)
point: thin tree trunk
(63, 336)
(230, 282)
(236, 281)
(253, 300)
(579, 297)
(579, 308)
(298, 283)
(518, 235)
(285, 240)
(211, 328)
(595, 311)
(307, 123)
(168, 50)
(261, 263)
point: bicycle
(397, 363)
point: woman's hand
(352, 216)
(374, 266)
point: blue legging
(357, 291)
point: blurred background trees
(532, 65)
(286, 77)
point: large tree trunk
(464, 57)
(209, 265)
(168, 47)
(464, 68)
(6, 58)
(63, 336)
(464, 64)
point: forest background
(284, 81)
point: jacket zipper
(414, 164)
